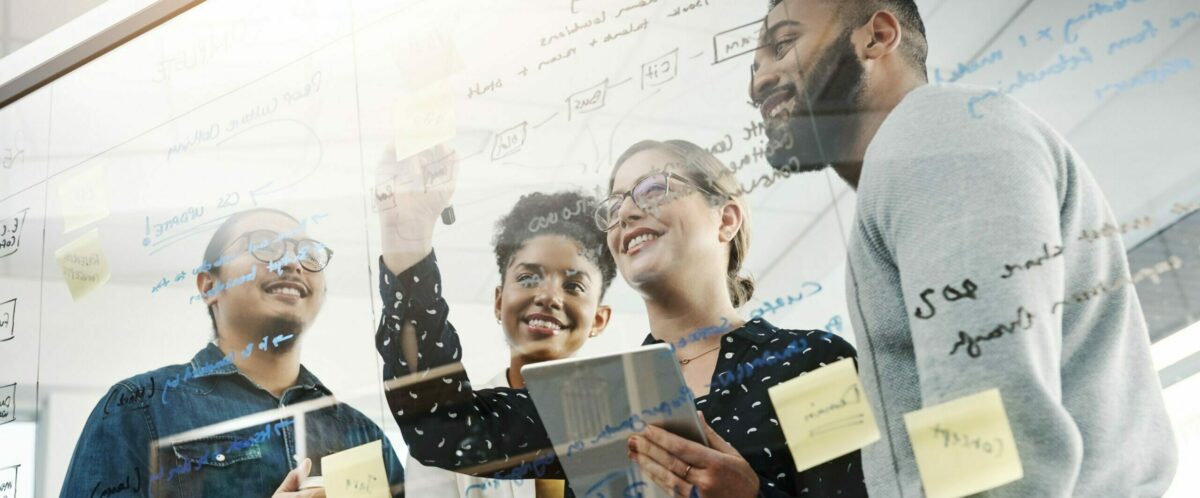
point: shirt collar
(211, 361)
(755, 330)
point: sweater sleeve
(978, 245)
(445, 422)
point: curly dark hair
(569, 214)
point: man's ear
(499, 300)
(600, 321)
(883, 35)
(205, 282)
(732, 217)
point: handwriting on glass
(737, 41)
(226, 258)
(8, 403)
(134, 487)
(543, 222)
(1108, 230)
(1152, 272)
(772, 307)
(509, 142)
(587, 100)
(951, 438)
(949, 293)
(851, 396)
(768, 358)
(125, 395)
(359, 485)
(661, 69)
(10, 156)
(190, 465)
(8, 481)
(202, 370)
(8, 314)
(1024, 321)
(10, 232)
(1030, 264)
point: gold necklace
(689, 360)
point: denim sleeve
(446, 423)
(113, 451)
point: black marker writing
(135, 487)
(1024, 321)
(1046, 256)
(949, 293)
(959, 439)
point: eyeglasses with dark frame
(648, 192)
(269, 246)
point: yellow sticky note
(423, 119)
(426, 56)
(83, 264)
(824, 414)
(964, 446)
(356, 473)
(83, 198)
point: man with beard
(263, 284)
(965, 261)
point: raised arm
(489, 433)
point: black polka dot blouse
(497, 432)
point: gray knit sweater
(1001, 200)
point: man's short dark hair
(857, 12)
(569, 214)
(222, 237)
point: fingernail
(307, 466)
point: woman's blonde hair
(705, 169)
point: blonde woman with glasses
(677, 228)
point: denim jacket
(117, 456)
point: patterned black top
(446, 424)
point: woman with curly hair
(554, 270)
(676, 226)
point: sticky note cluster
(962, 447)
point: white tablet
(590, 407)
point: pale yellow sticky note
(964, 446)
(824, 414)
(356, 473)
(426, 56)
(83, 264)
(83, 198)
(423, 119)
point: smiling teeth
(544, 324)
(777, 110)
(285, 290)
(639, 240)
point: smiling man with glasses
(263, 284)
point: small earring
(498, 320)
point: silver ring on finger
(686, 472)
